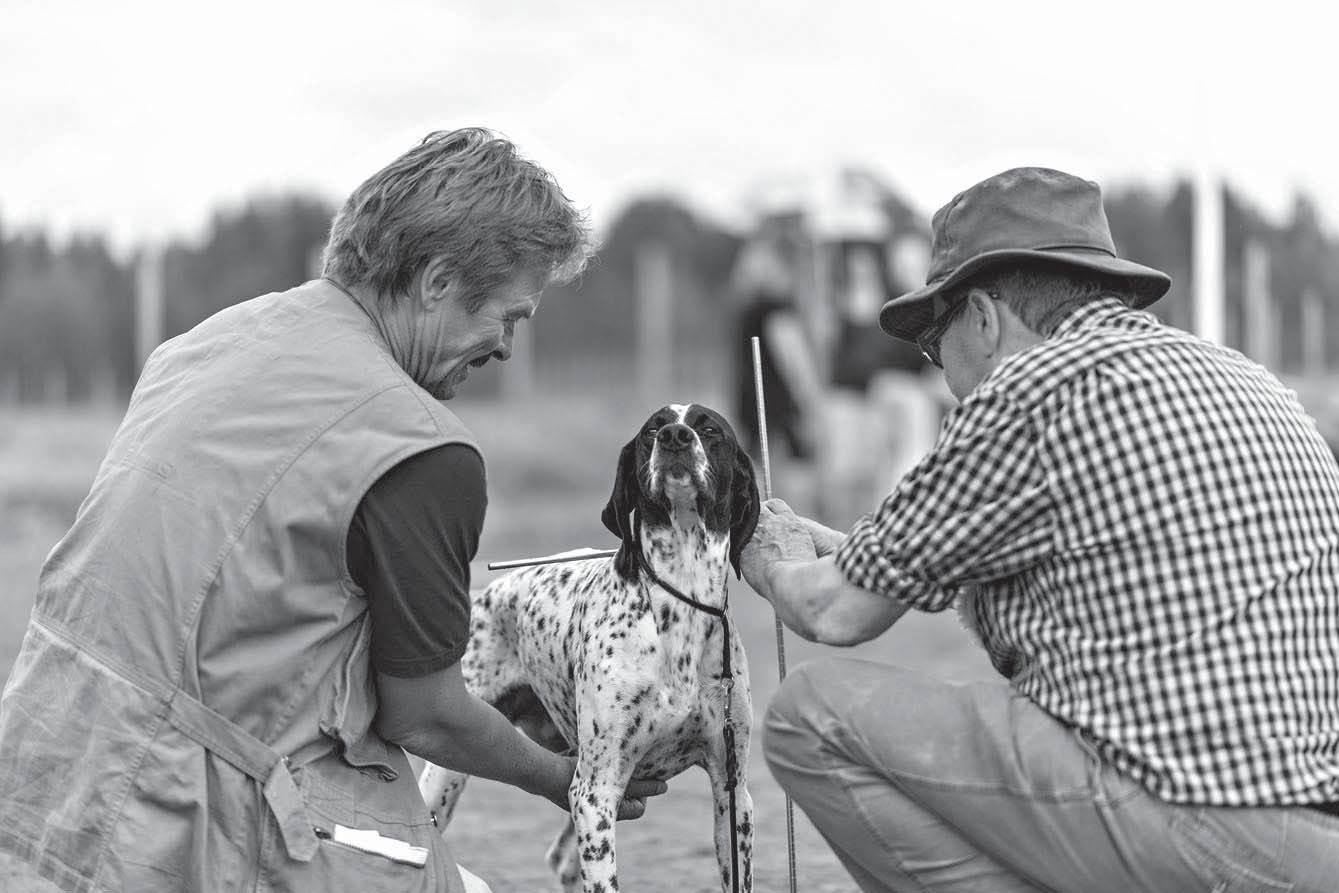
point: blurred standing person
(764, 286)
(265, 595)
(862, 351)
(1141, 526)
(882, 415)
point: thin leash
(727, 673)
(780, 637)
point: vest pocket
(383, 818)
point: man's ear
(986, 320)
(1002, 331)
(435, 283)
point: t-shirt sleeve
(409, 547)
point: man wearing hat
(1141, 528)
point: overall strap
(242, 750)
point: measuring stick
(573, 555)
(780, 637)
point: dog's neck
(690, 558)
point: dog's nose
(676, 436)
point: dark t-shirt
(409, 548)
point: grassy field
(550, 471)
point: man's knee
(812, 702)
(788, 732)
(858, 711)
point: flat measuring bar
(571, 555)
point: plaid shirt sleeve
(976, 509)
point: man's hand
(826, 540)
(633, 803)
(631, 806)
(790, 562)
(781, 535)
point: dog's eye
(650, 431)
(710, 429)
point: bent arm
(435, 717)
(813, 598)
(791, 562)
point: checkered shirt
(1143, 529)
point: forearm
(813, 598)
(461, 732)
(482, 742)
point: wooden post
(148, 303)
(1208, 259)
(655, 323)
(1260, 335)
(1313, 334)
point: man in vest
(1141, 526)
(265, 595)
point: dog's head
(683, 454)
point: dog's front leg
(733, 827)
(597, 787)
(727, 768)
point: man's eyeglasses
(929, 338)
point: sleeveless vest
(192, 705)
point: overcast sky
(140, 117)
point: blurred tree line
(67, 310)
(1301, 259)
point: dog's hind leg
(562, 858)
(440, 789)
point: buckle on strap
(239, 748)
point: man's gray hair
(1042, 293)
(466, 196)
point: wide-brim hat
(1022, 213)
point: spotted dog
(625, 659)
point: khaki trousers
(920, 784)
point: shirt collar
(1103, 311)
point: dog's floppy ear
(619, 513)
(744, 506)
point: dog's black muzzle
(676, 437)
